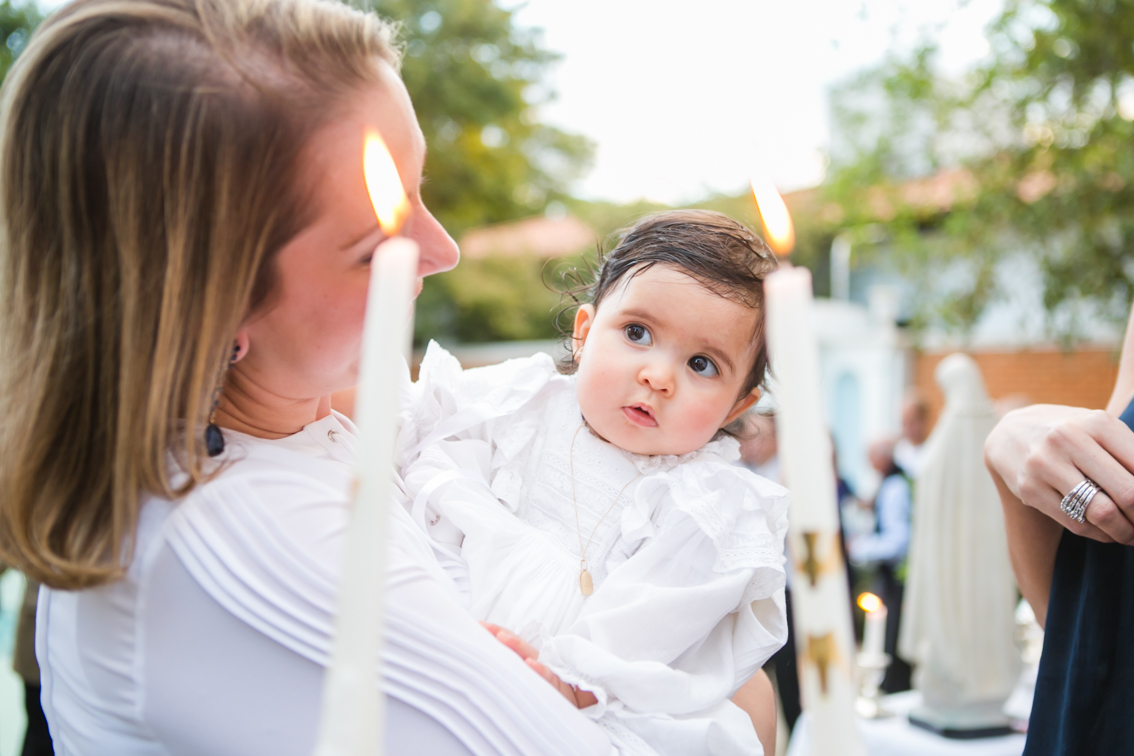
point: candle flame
(778, 228)
(384, 184)
(869, 602)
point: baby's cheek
(586, 389)
(704, 419)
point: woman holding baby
(185, 237)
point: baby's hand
(581, 699)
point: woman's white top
(687, 564)
(216, 640)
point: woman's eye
(638, 335)
(703, 366)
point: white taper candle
(351, 723)
(874, 632)
(820, 599)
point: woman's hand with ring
(1043, 452)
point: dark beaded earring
(214, 439)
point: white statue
(958, 617)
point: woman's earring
(214, 439)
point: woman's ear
(584, 319)
(241, 347)
(742, 405)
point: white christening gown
(687, 564)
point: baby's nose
(658, 375)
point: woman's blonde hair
(149, 158)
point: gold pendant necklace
(586, 583)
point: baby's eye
(639, 334)
(702, 365)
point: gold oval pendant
(586, 585)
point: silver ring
(1075, 503)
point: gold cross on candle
(815, 566)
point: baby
(599, 512)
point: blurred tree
(1044, 134)
(490, 299)
(476, 80)
(17, 20)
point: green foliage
(17, 20)
(491, 299)
(1044, 132)
(476, 80)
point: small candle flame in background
(869, 602)
(384, 185)
(778, 228)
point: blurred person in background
(915, 430)
(884, 552)
(37, 739)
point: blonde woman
(185, 239)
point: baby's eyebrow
(634, 314)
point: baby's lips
(640, 415)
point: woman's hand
(1039, 453)
(581, 699)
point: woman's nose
(438, 250)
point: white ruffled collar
(725, 447)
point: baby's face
(662, 363)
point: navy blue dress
(1084, 702)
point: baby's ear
(584, 319)
(742, 405)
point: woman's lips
(640, 416)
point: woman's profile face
(308, 342)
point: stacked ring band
(1075, 504)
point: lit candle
(778, 228)
(351, 723)
(874, 630)
(820, 601)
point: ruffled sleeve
(699, 607)
(447, 400)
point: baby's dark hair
(722, 254)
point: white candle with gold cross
(820, 600)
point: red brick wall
(1083, 378)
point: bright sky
(683, 98)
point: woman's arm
(1037, 454)
(1124, 384)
